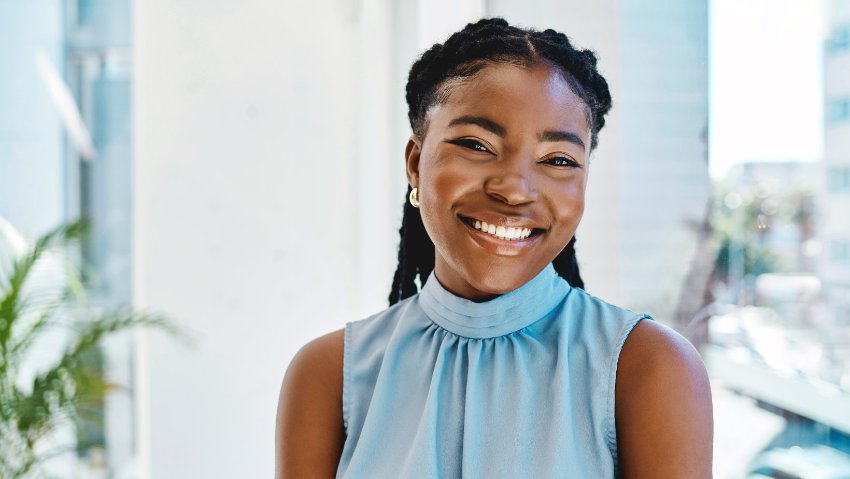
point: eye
(562, 161)
(471, 144)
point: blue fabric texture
(520, 386)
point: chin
(480, 275)
(495, 288)
(496, 284)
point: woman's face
(506, 153)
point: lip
(502, 247)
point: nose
(511, 183)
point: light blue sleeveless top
(520, 386)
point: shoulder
(317, 368)
(322, 356)
(663, 406)
(651, 342)
(309, 431)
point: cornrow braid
(430, 80)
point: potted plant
(35, 401)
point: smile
(504, 233)
(510, 233)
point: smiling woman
(501, 365)
(524, 170)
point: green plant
(32, 405)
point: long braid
(486, 42)
(567, 266)
(400, 281)
(415, 254)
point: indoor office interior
(239, 171)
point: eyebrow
(497, 129)
(488, 125)
(567, 136)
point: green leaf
(71, 389)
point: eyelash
(559, 161)
(565, 161)
(471, 144)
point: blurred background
(241, 164)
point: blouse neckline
(499, 316)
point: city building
(834, 201)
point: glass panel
(837, 110)
(839, 40)
(778, 349)
(47, 177)
(97, 40)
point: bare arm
(309, 431)
(663, 407)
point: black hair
(486, 42)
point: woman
(500, 366)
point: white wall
(245, 167)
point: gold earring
(414, 197)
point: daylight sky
(766, 76)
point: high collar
(501, 315)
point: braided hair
(486, 42)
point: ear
(411, 157)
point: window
(837, 110)
(52, 176)
(838, 179)
(781, 278)
(85, 13)
(838, 40)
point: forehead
(518, 97)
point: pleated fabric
(521, 386)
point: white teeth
(502, 232)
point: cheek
(438, 188)
(441, 183)
(568, 201)
(448, 183)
